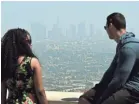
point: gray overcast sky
(23, 14)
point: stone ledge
(55, 97)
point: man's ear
(110, 24)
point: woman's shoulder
(35, 62)
(32, 59)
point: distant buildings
(81, 32)
(91, 30)
(73, 32)
(38, 31)
(56, 32)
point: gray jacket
(124, 69)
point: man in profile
(120, 83)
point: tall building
(91, 30)
(38, 31)
(72, 32)
(81, 32)
(56, 32)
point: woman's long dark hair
(13, 44)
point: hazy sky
(23, 14)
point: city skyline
(23, 14)
(72, 32)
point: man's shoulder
(130, 49)
(129, 37)
(132, 43)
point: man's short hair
(117, 19)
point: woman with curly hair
(21, 72)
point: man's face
(109, 31)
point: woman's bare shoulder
(35, 63)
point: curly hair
(14, 43)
